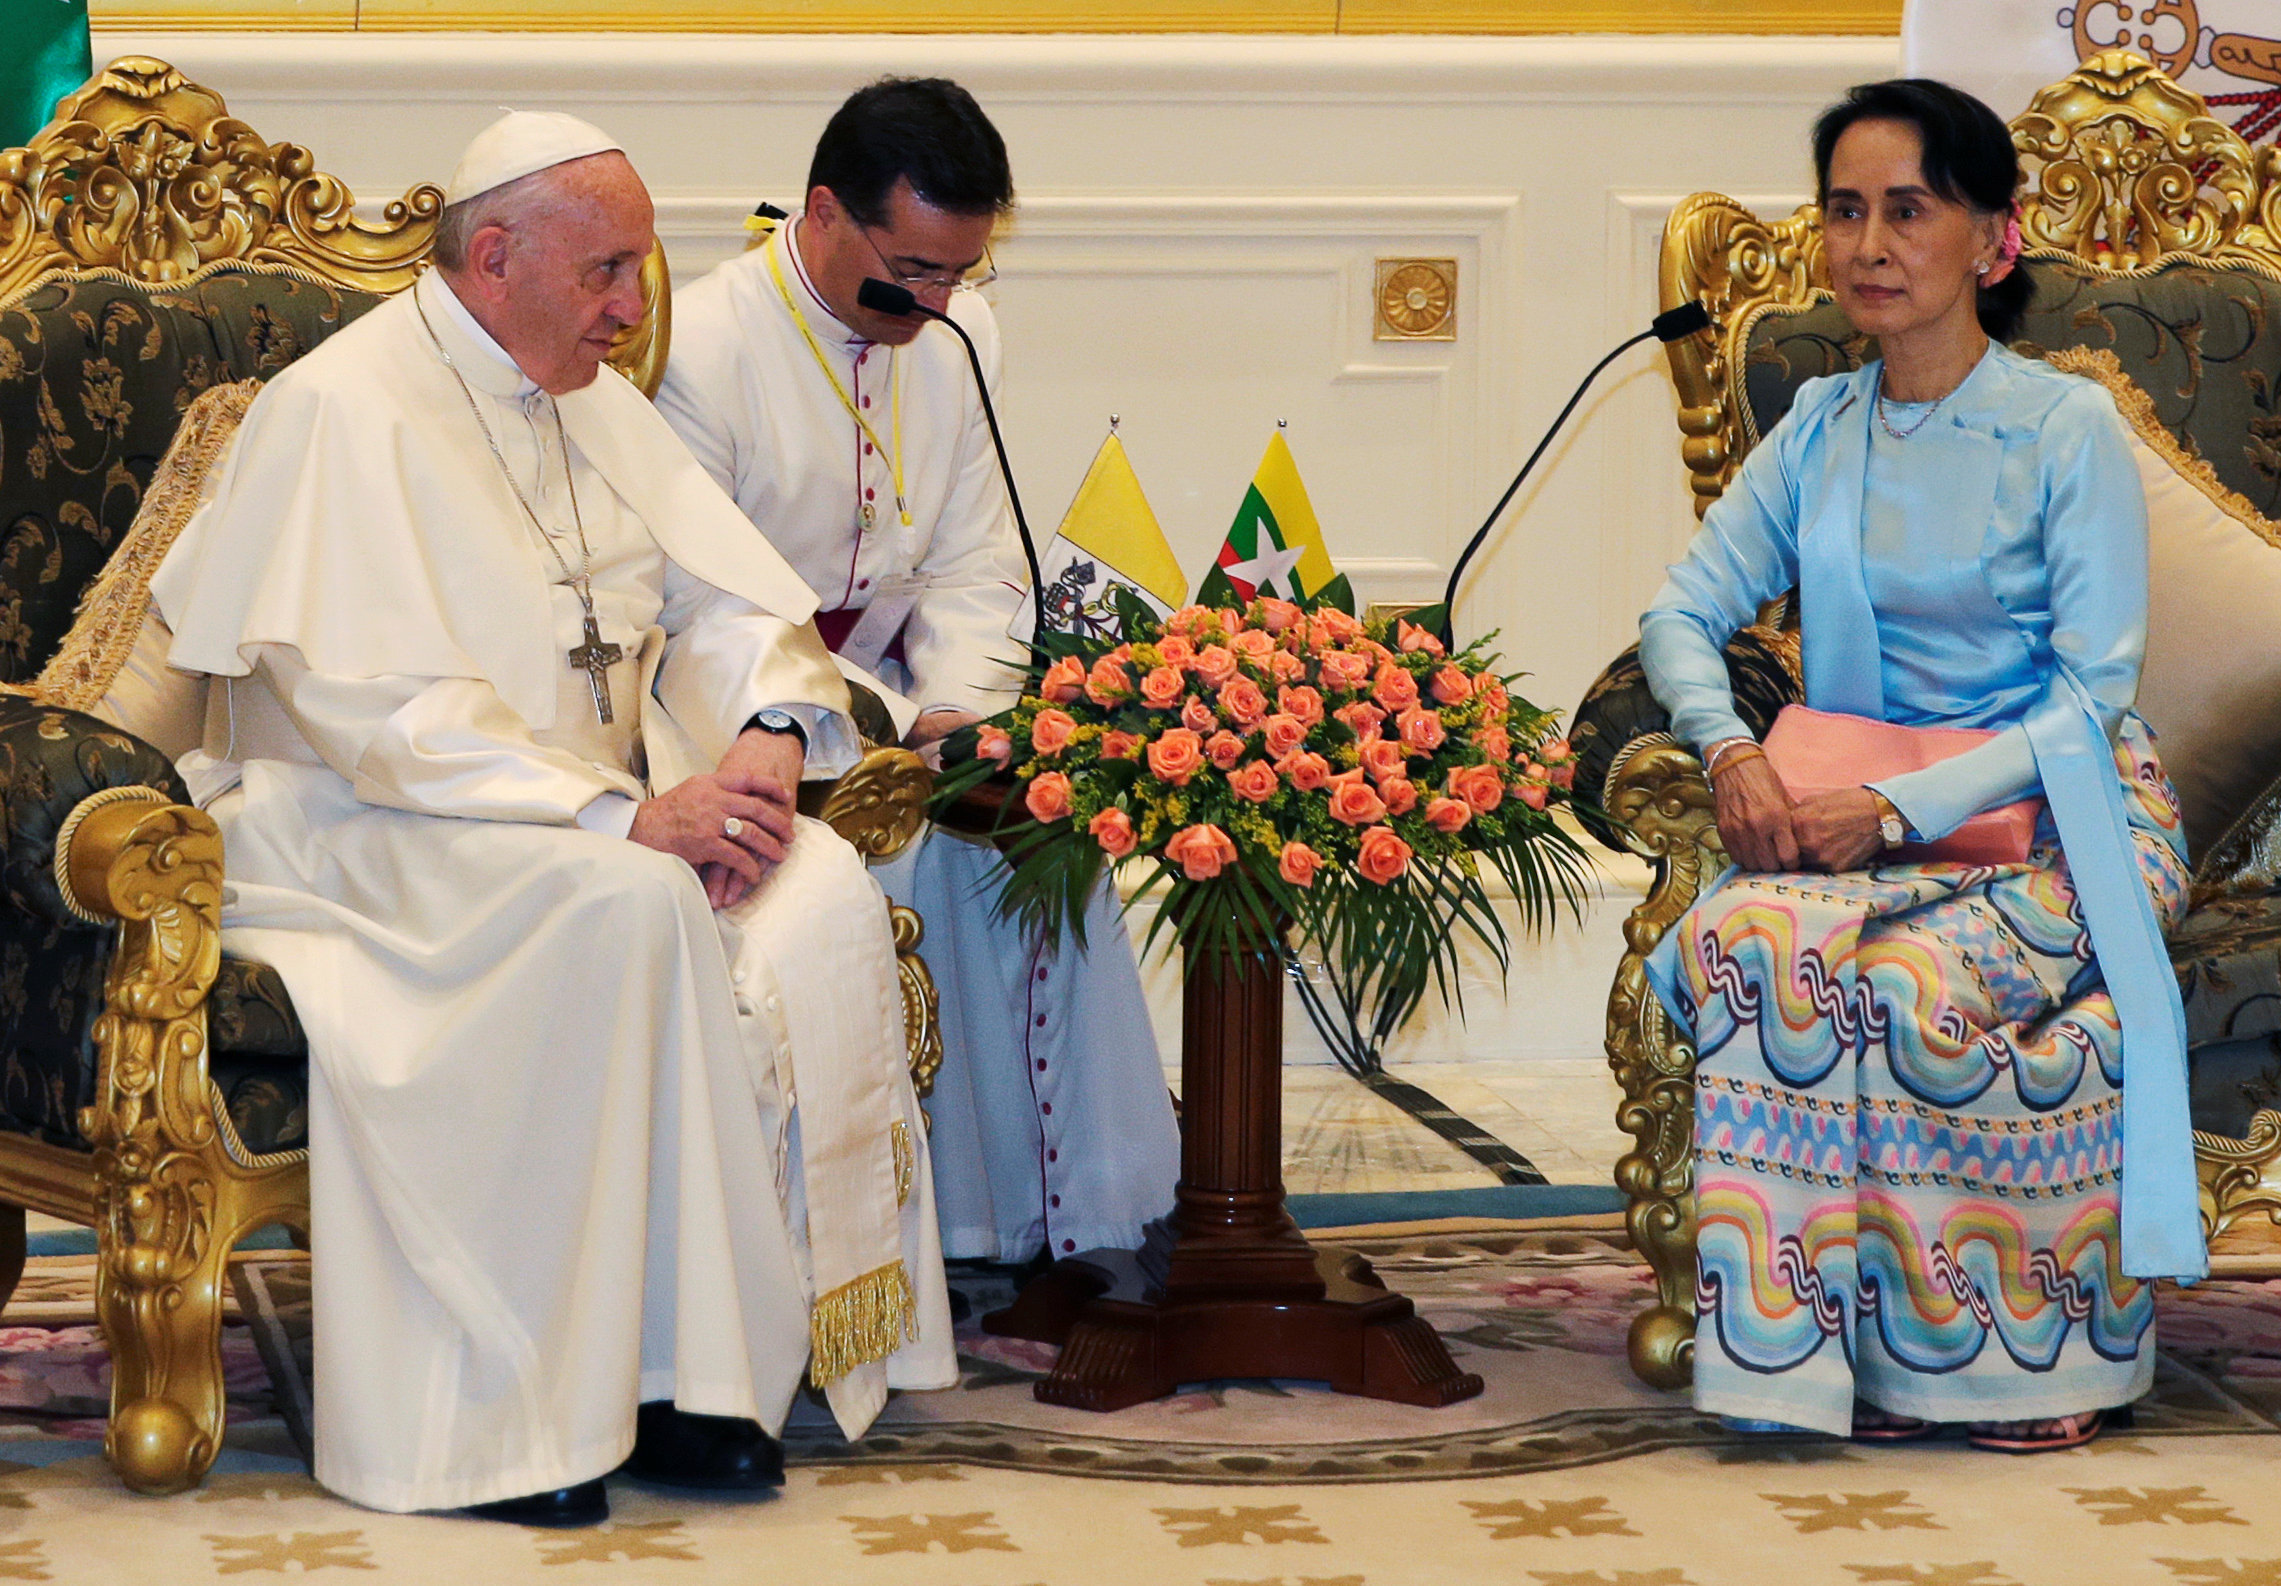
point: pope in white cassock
(608, 1100)
(856, 443)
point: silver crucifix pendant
(595, 659)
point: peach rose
(1201, 852)
(1479, 785)
(1108, 682)
(1421, 730)
(1284, 667)
(1048, 797)
(1448, 814)
(1254, 645)
(1050, 732)
(1413, 638)
(1117, 745)
(1254, 781)
(1285, 735)
(1113, 830)
(1175, 756)
(1554, 750)
(1340, 625)
(1494, 700)
(1188, 619)
(1352, 804)
(1297, 864)
(1360, 719)
(1452, 687)
(1562, 775)
(1383, 758)
(1394, 688)
(1534, 792)
(1384, 855)
(1162, 688)
(1306, 771)
(1197, 716)
(1223, 749)
(1275, 615)
(1400, 794)
(1301, 702)
(1243, 702)
(1215, 664)
(1494, 742)
(1343, 670)
(993, 743)
(1175, 650)
(1063, 681)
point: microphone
(1669, 326)
(885, 297)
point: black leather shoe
(718, 1453)
(588, 1503)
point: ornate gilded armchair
(152, 248)
(2155, 233)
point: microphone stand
(885, 297)
(1669, 326)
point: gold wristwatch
(1892, 830)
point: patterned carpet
(1566, 1472)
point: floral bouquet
(1290, 775)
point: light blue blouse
(1989, 571)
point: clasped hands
(1764, 829)
(755, 786)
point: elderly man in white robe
(611, 1135)
(856, 442)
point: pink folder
(1820, 751)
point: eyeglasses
(981, 275)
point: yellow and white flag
(1108, 538)
(2228, 51)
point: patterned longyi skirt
(1908, 1137)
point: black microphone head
(1685, 320)
(885, 297)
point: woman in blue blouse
(1925, 1192)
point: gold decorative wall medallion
(1417, 300)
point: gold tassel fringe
(861, 1321)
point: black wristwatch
(779, 721)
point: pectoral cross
(595, 659)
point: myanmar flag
(45, 57)
(1109, 539)
(1275, 546)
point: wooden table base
(1228, 1286)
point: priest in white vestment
(507, 698)
(856, 443)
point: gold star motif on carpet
(883, 1475)
(921, 1533)
(2155, 1506)
(303, 1551)
(25, 1560)
(1983, 1573)
(629, 1541)
(1240, 1526)
(1851, 1511)
(1549, 1517)
(2221, 1572)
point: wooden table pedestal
(1229, 1286)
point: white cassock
(576, 1141)
(1051, 1121)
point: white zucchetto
(520, 142)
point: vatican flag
(1276, 546)
(2228, 51)
(1108, 540)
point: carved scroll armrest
(1661, 802)
(879, 805)
(51, 761)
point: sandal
(2072, 1431)
(1888, 1427)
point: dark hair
(1968, 160)
(926, 130)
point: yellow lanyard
(894, 379)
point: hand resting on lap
(755, 783)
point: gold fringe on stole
(861, 1321)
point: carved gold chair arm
(922, 1006)
(1658, 798)
(880, 804)
(2232, 1172)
